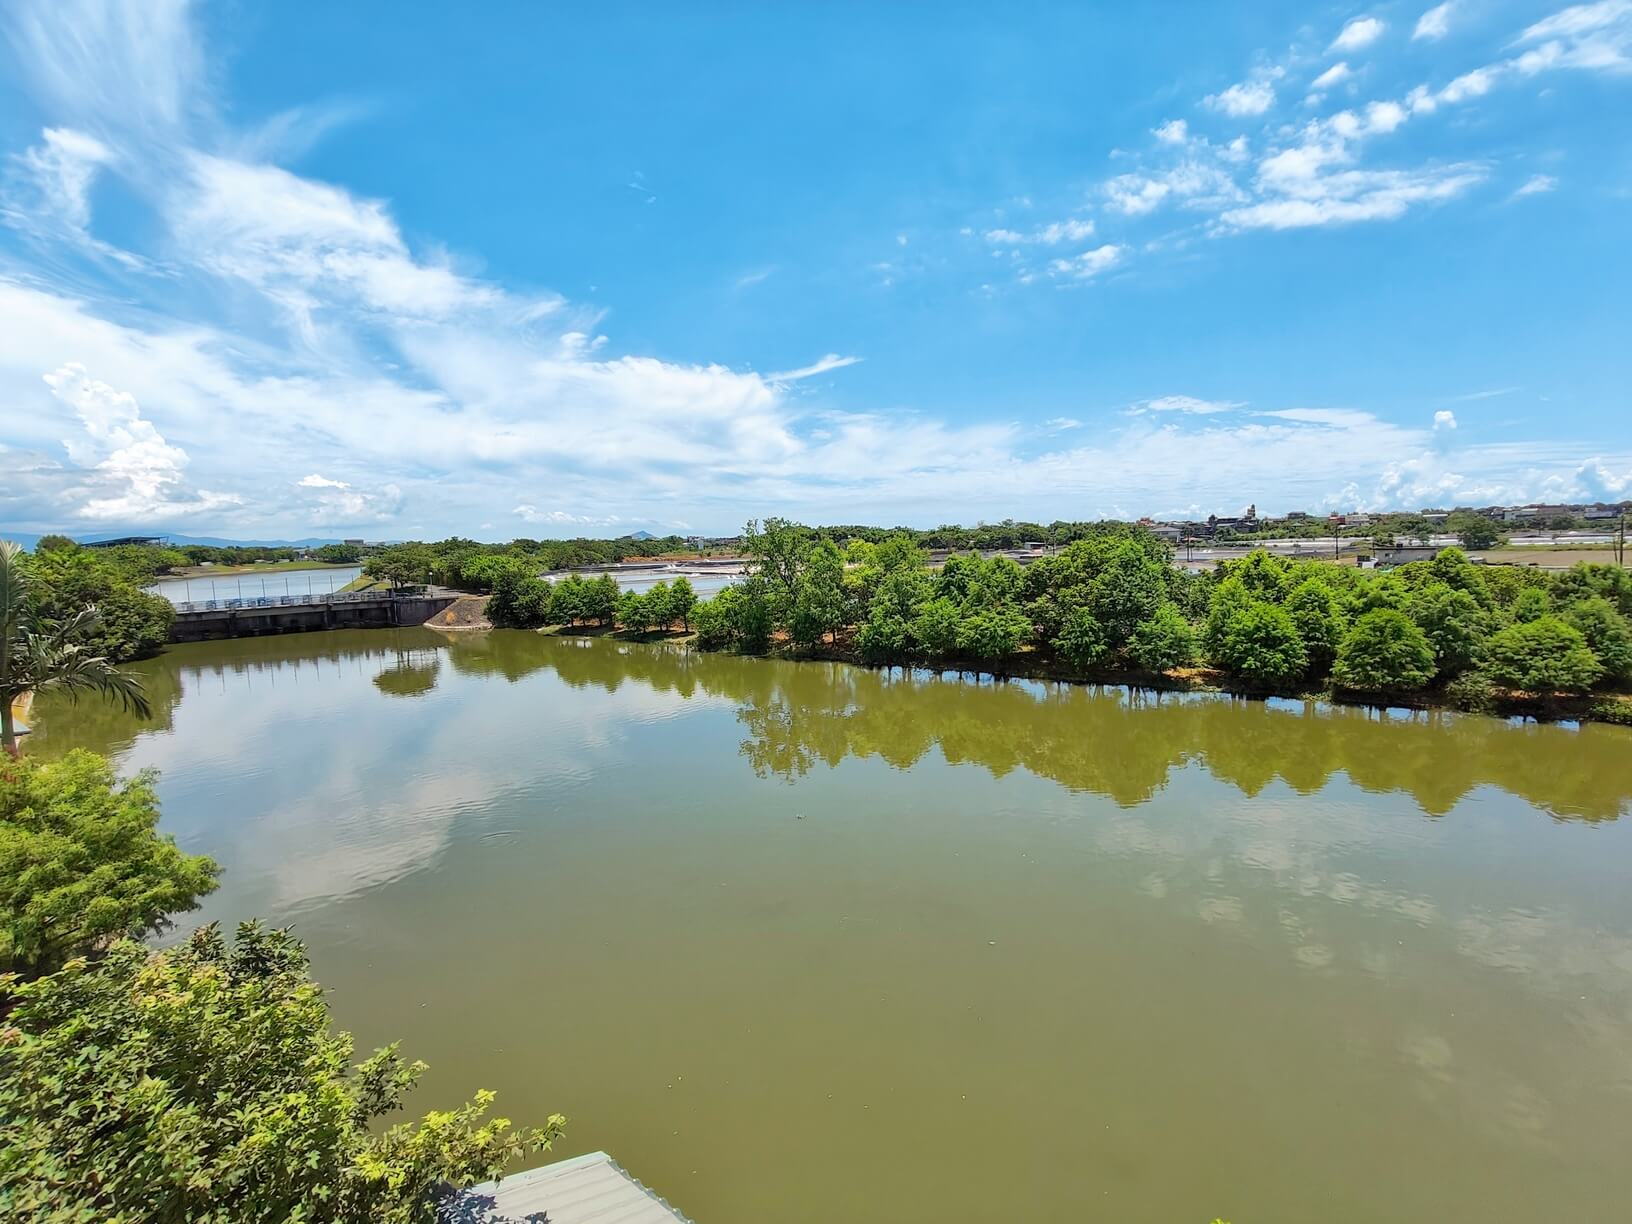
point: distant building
(121, 541)
(354, 543)
(1164, 531)
(1402, 554)
(1296, 516)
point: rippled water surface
(805, 942)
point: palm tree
(36, 654)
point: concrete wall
(383, 613)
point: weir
(229, 618)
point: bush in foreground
(82, 862)
(202, 1084)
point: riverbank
(1030, 664)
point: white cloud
(560, 518)
(314, 481)
(1358, 34)
(1444, 420)
(63, 166)
(131, 471)
(1336, 74)
(1473, 84)
(1073, 229)
(1434, 24)
(1244, 99)
(1187, 404)
(1057, 424)
(1537, 184)
(1589, 37)
(832, 361)
(1089, 264)
(1174, 131)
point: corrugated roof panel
(592, 1189)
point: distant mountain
(640, 535)
(29, 538)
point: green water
(809, 943)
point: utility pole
(1620, 541)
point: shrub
(1384, 651)
(1542, 656)
(202, 1083)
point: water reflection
(1120, 743)
(1131, 898)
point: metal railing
(285, 601)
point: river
(805, 942)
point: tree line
(1114, 602)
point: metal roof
(577, 1191)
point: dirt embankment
(466, 612)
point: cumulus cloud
(1174, 131)
(1358, 34)
(1244, 99)
(131, 471)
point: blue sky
(505, 270)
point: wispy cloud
(1536, 184)
(1434, 24)
(832, 361)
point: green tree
(82, 862)
(1474, 530)
(130, 624)
(819, 600)
(568, 599)
(716, 620)
(1607, 633)
(935, 626)
(1165, 641)
(1129, 587)
(519, 600)
(202, 1083)
(600, 602)
(883, 636)
(53, 543)
(635, 612)
(993, 633)
(401, 565)
(776, 552)
(682, 599)
(1082, 640)
(1452, 621)
(1314, 611)
(38, 655)
(1384, 651)
(1542, 656)
(1259, 643)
